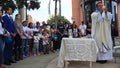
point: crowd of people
(22, 39)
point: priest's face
(99, 7)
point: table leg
(66, 64)
(90, 64)
(115, 55)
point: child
(36, 43)
(45, 42)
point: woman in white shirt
(83, 28)
(30, 34)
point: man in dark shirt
(60, 28)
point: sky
(42, 13)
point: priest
(101, 32)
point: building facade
(82, 10)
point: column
(22, 12)
(118, 13)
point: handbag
(7, 39)
(55, 37)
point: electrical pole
(59, 7)
(55, 12)
(55, 7)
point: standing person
(88, 30)
(17, 49)
(45, 37)
(48, 24)
(101, 32)
(75, 31)
(10, 27)
(54, 37)
(66, 28)
(30, 34)
(60, 29)
(83, 28)
(25, 37)
(113, 33)
(36, 43)
(1, 41)
(40, 37)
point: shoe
(12, 61)
(104, 61)
(7, 63)
(17, 59)
(97, 61)
(101, 61)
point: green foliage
(56, 18)
(14, 4)
(7, 3)
(20, 3)
(34, 5)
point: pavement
(80, 64)
(51, 60)
(35, 61)
(73, 64)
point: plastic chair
(117, 48)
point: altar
(77, 49)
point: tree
(33, 4)
(7, 3)
(14, 4)
(53, 19)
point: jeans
(30, 43)
(40, 45)
(25, 47)
(46, 49)
(1, 50)
(8, 51)
(36, 48)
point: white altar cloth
(77, 49)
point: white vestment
(101, 32)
